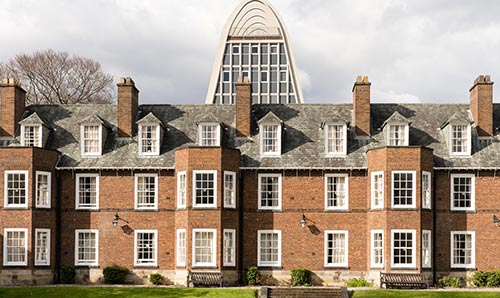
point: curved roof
(253, 19)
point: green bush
(68, 274)
(252, 276)
(301, 277)
(486, 278)
(156, 279)
(450, 282)
(115, 274)
(359, 282)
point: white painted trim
(158, 139)
(136, 197)
(23, 132)
(372, 190)
(473, 250)
(214, 204)
(180, 263)
(259, 261)
(214, 248)
(84, 262)
(414, 190)
(424, 264)
(6, 193)
(233, 191)
(180, 205)
(429, 176)
(155, 244)
(280, 187)
(5, 237)
(39, 262)
(343, 153)
(233, 236)
(469, 140)
(217, 133)
(473, 192)
(372, 249)
(413, 248)
(77, 193)
(406, 132)
(345, 264)
(346, 187)
(279, 132)
(49, 186)
(82, 143)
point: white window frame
(157, 139)
(6, 231)
(279, 192)
(373, 264)
(259, 257)
(136, 192)
(213, 252)
(277, 152)
(230, 202)
(426, 193)
(345, 206)
(79, 262)
(472, 265)
(38, 131)
(154, 262)
(37, 248)
(201, 140)
(414, 190)
(427, 250)
(49, 189)
(472, 196)
(406, 133)
(77, 192)
(373, 191)
(469, 140)
(181, 190)
(225, 252)
(344, 140)
(413, 248)
(82, 140)
(344, 264)
(181, 250)
(212, 205)
(6, 190)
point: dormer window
(149, 136)
(209, 134)
(31, 135)
(270, 140)
(460, 139)
(91, 136)
(397, 134)
(336, 139)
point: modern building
(344, 190)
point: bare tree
(51, 77)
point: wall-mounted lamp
(116, 219)
(496, 221)
(303, 221)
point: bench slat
(204, 278)
(403, 280)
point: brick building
(252, 177)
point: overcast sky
(412, 50)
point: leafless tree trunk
(51, 77)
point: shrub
(252, 276)
(115, 274)
(68, 274)
(486, 278)
(450, 282)
(359, 282)
(493, 279)
(156, 279)
(301, 277)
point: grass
(129, 292)
(421, 294)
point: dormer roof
(396, 117)
(270, 117)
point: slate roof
(302, 139)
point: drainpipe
(240, 232)
(434, 232)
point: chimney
(481, 105)
(12, 106)
(361, 106)
(243, 107)
(128, 103)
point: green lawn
(421, 294)
(132, 292)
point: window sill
(410, 208)
(329, 267)
(43, 208)
(340, 155)
(463, 268)
(145, 266)
(464, 210)
(146, 210)
(86, 266)
(16, 208)
(15, 265)
(204, 208)
(204, 267)
(404, 268)
(269, 267)
(338, 210)
(376, 268)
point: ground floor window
(426, 249)
(86, 247)
(204, 247)
(145, 247)
(42, 247)
(463, 249)
(269, 248)
(336, 248)
(181, 247)
(377, 248)
(229, 247)
(15, 247)
(403, 248)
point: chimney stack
(12, 106)
(243, 107)
(361, 106)
(481, 105)
(128, 104)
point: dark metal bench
(403, 280)
(203, 278)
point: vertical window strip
(149, 139)
(426, 249)
(181, 247)
(336, 248)
(229, 246)
(459, 139)
(426, 190)
(377, 249)
(229, 189)
(270, 138)
(181, 190)
(377, 190)
(42, 247)
(43, 183)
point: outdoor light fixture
(496, 221)
(303, 221)
(116, 219)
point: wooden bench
(202, 278)
(403, 280)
